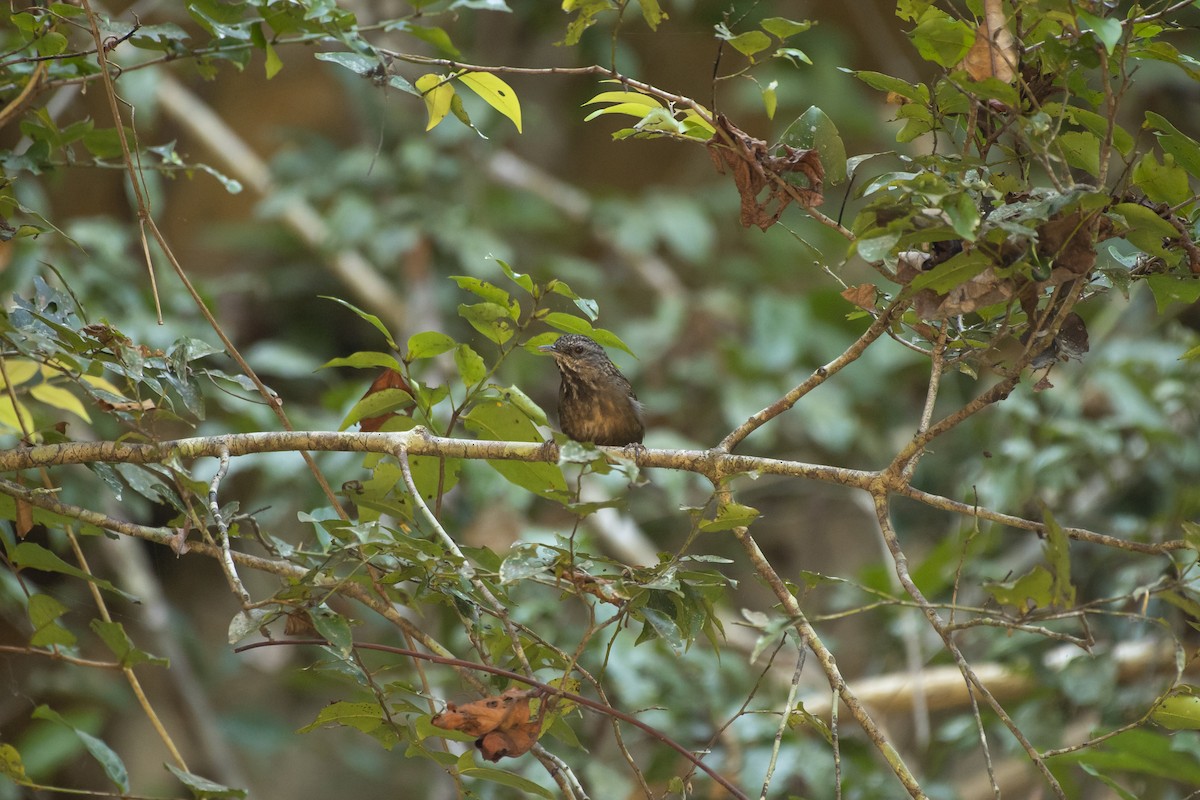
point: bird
(595, 401)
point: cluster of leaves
(1010, 239)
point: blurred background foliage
(723, 320)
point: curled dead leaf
(862, 295)
(754, 168)
(516, 741)
(501, 722)
(179, 541)
(993, 53)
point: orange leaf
(480, 717)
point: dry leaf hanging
(501, 722)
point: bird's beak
(547, 348)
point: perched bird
(595, 401)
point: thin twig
(851, 354)
(214, 507)
(785, 718)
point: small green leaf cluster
(504, 317)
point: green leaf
(365, 717)
(1139, 751)
(750, 43)
(1162, 183)
(782, 28)
(1169, 289)
(663, 626)
(495, 92)
(44, 612)
(963, 212)
(917, 92)
(652, 13)
(492, 320)
(334, 628)
(1146, 229)
(876, 248)
(437, 93)
(114, 768)
(202, 788)
(953, 272)
(371, 318)
(1107, 30)
(1095, 123)
(815, 130)
(639, 110)
(585, 16)
(51, 44)
(436, 37)
(11, 765)
(1185, 149)
(502, 421)
(29, 555)
(428, 344)
(1120, 791)
(1179, 710)
(627, 98)
(525, 561)
(1032, 590)
(487, 291)
(117, 640)
(518, 398)
(1056, 549)
(505, 778)
(470, 365)
(360, 65)
(569, 323)
(520, 279)
(730, 516)
(273, 62)
(1081, 150)
(376, 404)
(585, 304)
(1191, 535)
(793, 55)
(942, 40)
(770, 98)
(364, 359)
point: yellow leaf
(692, 118)
(19, 370)
(8, 417)
(625, 97)
(632, 109)
(437, 97)
(60, 398)
(496, 93)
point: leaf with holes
(496, 93)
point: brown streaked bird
(595, 401)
